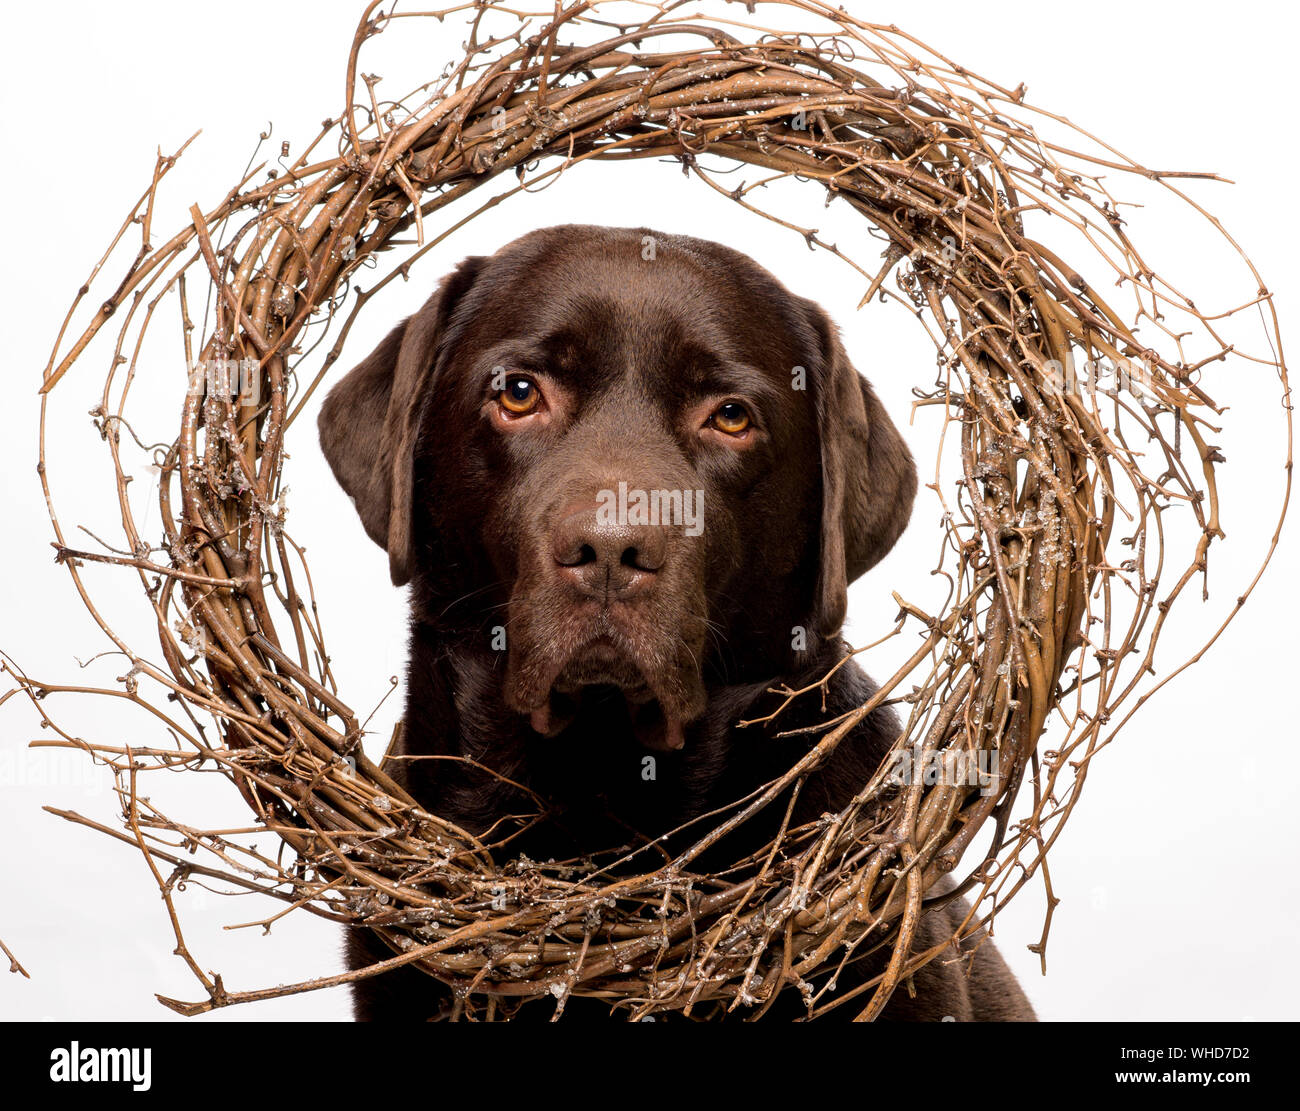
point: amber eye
(521, 396)
(732, 418)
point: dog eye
(732, 418)
(521, 396)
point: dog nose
(607, 558)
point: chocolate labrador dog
(629, 477)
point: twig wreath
(1060, 568)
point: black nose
(608, 559)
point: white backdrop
(1177, 875)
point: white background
(1177, 875)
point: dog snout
(608, 559)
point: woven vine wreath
(1083, 507)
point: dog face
(635, 455)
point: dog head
(632, 461)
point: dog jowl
(629, 490)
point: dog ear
(369, 422)
(868, 477)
